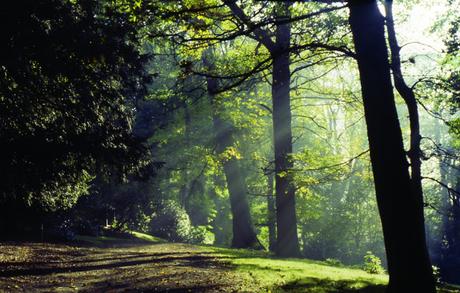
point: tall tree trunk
(408, 96)
(287, 238)
(271, 211)
(455, 237)
(450, 264)
(401, 210)
(184, 192)
(221, 224)
(244, 235)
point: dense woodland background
(300, 127)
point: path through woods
(156, 268)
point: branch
(453, 194)
(261, 35)
(342, 49)
(335, 165)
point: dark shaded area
(313, 284)
(194, 261)
(71, 73)
(92, 270)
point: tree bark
(450, 260)
(286, 219)
(408, 96)
(401, 210)
(271, 211)
(221, 223)
(244, 235)
(184, 192)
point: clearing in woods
(112, 265)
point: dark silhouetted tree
(401, 209)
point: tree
(70, 73)
(401, 209)
(197, 25)
(244, 235)
(408, 95)
(286, 220)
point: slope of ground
(152, 265)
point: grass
(300, 275)
(131, 237)
(140, 262)
(147, 237)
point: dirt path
(163, 267)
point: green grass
(300, 275)
(272, 274)
(147, 237)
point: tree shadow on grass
(331, 286)
(161, 256)
(173, 271)
(192, 260)
(152, 284)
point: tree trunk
(401, 210)
(287, 238)
(221, 223)
(450, 261)
(408, 95)
(185, 189)
(271, 210)
(244, 235)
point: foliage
(372, 264)
(170, 222)
(201, 235)
(70, 72)
(76, 128)
(333, 262)
(436, 274)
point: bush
(333, 262)
(372, 264)
(201, 235)
(171, 222)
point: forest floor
(112, 265)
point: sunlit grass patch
(147, 237)
(123, 238)
(300, 275)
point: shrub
(171, 222)
(201, 235)
(372, 264)
(333, 262)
